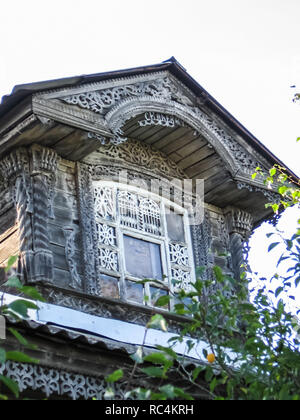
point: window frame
(162, 240)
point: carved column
(88, 229)
(15, 170)
(31, 175)
(43, 169)
(240, 225)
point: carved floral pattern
(183, 280)
(156, 118)
(179, 255)
(104, 202)
(101, 101)
(106, 234)
(133, 151)
(108, 259)
(57, 382)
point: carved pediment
(102, 109)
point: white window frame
(162, 240)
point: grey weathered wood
(169, 138)
(59, 258)
(187, 150)
(159, 133)
(65, 215)
(181, 142)
(57, 236)
(54, 134)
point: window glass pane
(109, 287)
(142, 258)
(156, 293)
(135, 292)
(175, 225)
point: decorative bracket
(31, 175)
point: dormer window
(140, 236)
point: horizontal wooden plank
(64, 216)
(8, 220)
(69, 143)
(66, 201)
(186, 139)
(158, 135)
(65, 182)
(57, 235)
(196, 158)
(219, 190)
(168, 138)
(60, 261)
(150, 133)
(187, 150)
(213, 182)
(84, 148)
(8, 232)
(54, 134)
(62, 278)
(200, 167)
(9, 247)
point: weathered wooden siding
(65, 220)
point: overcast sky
(245, 53)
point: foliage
(18, 309)
(253, 349)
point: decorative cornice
(15, 164)
(158, 119)
(239, 221)
(166, 102)
(51, 381)
(43, 160)
(141, 155)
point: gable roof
(21, 92)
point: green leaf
(218, 273)
(158, 359)
(181, 395)
(273, 245)
(22, 340)
(115, 376)
(168, 390)
(158, 322)
(12, 385)
(162, 301)
(154, 372)
(268, 235)
(168, 351)
(138, 355)
(278, 291)
(109, 394)
(10, 262)
(17, 356)
(21, 307)
(197, 371)
(2, 356)
(13, 282)
(32, 293)
(213, 384)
